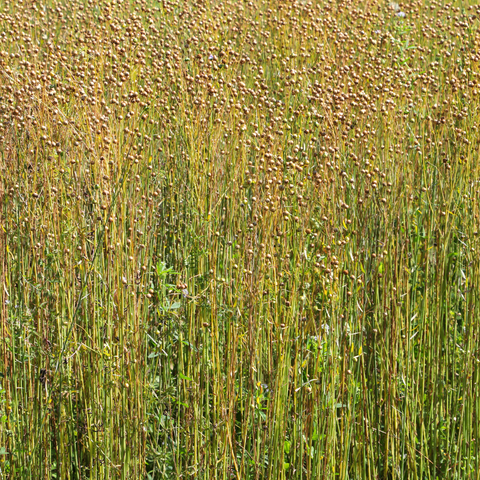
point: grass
(239, 240)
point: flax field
(239, 240)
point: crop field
(239, 240)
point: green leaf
(184, 377)
(162, 270)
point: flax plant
(239, 239)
